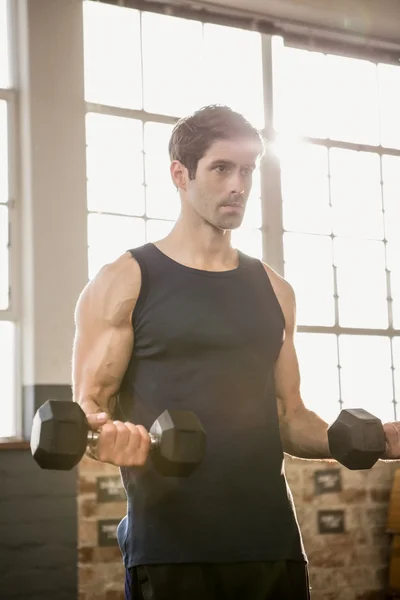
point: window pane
(305, 188)
(172, 62)
(352, 100)
(4, 274)
(396, 363)
(366, 375)
(162, 199)
(233, 68)
(4, 58)
(308, 268)
(114, 164)
(300, 105)
(7, 378)
(318, 363)
(356, 194)
(389, 96)
(248, 241)
(391, 202)
(335, 97)
(361, 278)
(112, 55)
(3, 152)
(111, 236)
(392, 255)
(157, 230)
(396, 313)
(395, 289)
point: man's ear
(179, 174)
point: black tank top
(207, 342)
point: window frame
(12, 314)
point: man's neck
(203, 248)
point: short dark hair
(192, 136)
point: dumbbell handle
(93, 437)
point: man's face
(223, 182)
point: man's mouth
(232, 205)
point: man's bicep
(103, 342)
(100, 360)
(287, 372)
(287, 378)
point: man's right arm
(103, 346)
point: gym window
(338, 138)
(8, 310)
(327, 218)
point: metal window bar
(329, 143)
(129, 113)
(335, 293)
(389, 293)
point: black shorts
(280, 580)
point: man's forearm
(305, 435)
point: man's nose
(236, 183)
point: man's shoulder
(123, 272)
(112, 293)
(278, 282)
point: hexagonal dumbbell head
(357, 439)
(180, 445)
(59, 435)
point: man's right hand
(120, 444)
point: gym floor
(85, 93)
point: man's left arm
(304, 434)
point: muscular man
(189, 322)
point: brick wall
(352, 565)
(100, 569)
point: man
(189, 322)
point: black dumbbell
(60, 436)
(357, 439)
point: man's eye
(221, 168)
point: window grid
(337, 329)
(272, 201)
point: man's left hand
(392, 432)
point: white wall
(52, 197)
